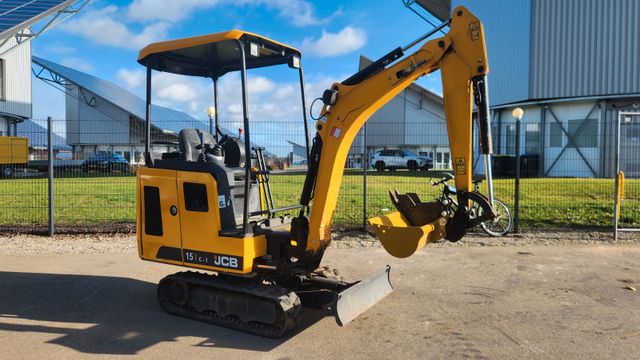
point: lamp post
(211, 111)
(517, 113)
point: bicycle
(499, 226)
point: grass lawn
(547, 202)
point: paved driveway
(547, 302)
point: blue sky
(105, 37)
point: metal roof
(16, 15)
(215, 54)
(37, 135)
(441, 9)
(164, 118)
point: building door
(442, 160)
(630, 145)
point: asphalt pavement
(538, 302)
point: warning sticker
(335, 132)
(460, 166)
(474, 31)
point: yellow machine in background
(209, 206)
(14, 152)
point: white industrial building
(413, 120)
(15, 85)
(571, 66)
(103, 117)
(21, 22)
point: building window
(510, 139)
(555, 134)
(532, 143)
(588, 135)
(2, 80)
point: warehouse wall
(585, 47)
(17, 85)
(507, 26)
(93, 120)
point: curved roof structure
(169, 119)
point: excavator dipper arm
(461, 57)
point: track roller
(237, 303)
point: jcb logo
(210, 259)
(225, 261)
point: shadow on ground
(110, 315)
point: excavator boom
(461, 57)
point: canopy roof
(215, 54)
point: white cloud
(132, 78)
(329, 44)
(298, 12)
(166, 10)
(274, 106)
(101, 26)
(77, 64)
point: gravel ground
(21, 244)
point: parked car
(400, 159)
(106, 161)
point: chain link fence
(95, 162)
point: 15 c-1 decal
(211, 259)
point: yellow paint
(461, 57)
(171, 45)
(192, 230)
(400, 239)
(14, 150)
(620, 185)
(620, 194)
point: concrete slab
(551, 302)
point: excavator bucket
(400, 239)
(356, 299)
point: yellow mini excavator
(209, 205)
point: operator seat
(189, 140)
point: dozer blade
(356, 299)
(400, 239)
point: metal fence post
(516, 200)
(50, 175)
(616, 206)
(365, 163)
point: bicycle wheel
(501, 225)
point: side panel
(191, 237)
(165, 231)
(201, 223)
(202, 246)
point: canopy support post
(147, 138)
(247, 139)
(304, 112)
(215, 106)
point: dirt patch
(118, 243)
(355, 239)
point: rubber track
(284, 303)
